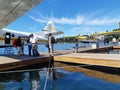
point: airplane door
(7, 38)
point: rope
(47, 74)
(46, 80)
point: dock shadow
(109, 70)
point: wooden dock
(13, 62)
(109, 60)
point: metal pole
(76, 46)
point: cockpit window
(13, 35)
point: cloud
(77, 20)
(63, 20)
(102, 21)
(79, 24)
(80, 30)
(38, 20)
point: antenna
(119, 25)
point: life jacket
(14, 43)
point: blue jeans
(29, 49)
(34, 49)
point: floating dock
(14, 62)
(109, 60)
(98, 59)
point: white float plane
(7, 35)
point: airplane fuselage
(6, 36)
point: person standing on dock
(106, 42)
(29, 45)
(19, 46)
(33, 40)
(114, 41)
(47, 45)
(51, 41)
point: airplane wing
(82, 38)
(49, 28)
(40, 37)
(54, 32)
(106, 33)
(10, 10)
(45, 33)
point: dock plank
(110, 60)
(12, 62)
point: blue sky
(73, 17)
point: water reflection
(113, 51)
(30, 81)
(68, 78)
(35, 80)
(25, 82)
(20, 81)
(96, 73)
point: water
(113, 51)
(82, 79)
(35, 80)
(42, 48)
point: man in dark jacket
(19, 46)
(51, 41)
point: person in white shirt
(33, 40)
(114, 41)
(29, 45)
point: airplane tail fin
(50, 26)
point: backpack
(14, 43)
(52, 40)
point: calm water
(42, 48)
(65, 80)
(36, 80)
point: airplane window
(7, 36)
(13, 35)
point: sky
(73, 17)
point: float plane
(99, 36)
(7, 35)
